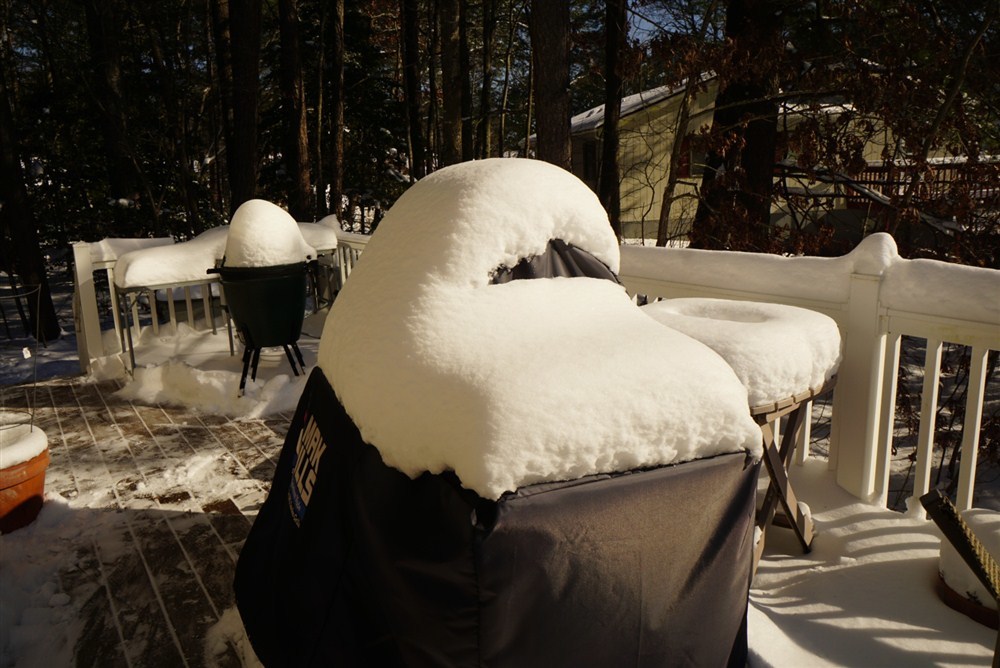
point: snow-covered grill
(484, 471)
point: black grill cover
(352, 563)
(267, 304)
(558, 259)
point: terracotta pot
(21, 489)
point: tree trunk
(485, 134)
(433, 114)
(103, 28)
(735, 205)
(293, 93)
(18, 222)
(615, 17)
(680, 134)
(244, 28)
(502, 130)
(468, 149)
(175, 121)
(410, 25)
(336, 154)
(528, 119)
(319, 175)
(449, 12)
(224, 71)
(549, 26)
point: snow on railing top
(145, 265)
(943, 289)
(172, 264)
(930, 287)
(820, 278)
(109, 250)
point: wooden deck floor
(163, 500)
(149, 507)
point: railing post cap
(874, 254)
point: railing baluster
(970, 428)
(928, 418)
(172, 309)
(190, 306)
(136, 325)
(206, 302)
(154, 321)
(887, 417)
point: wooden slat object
(965, 541)
(778, 454)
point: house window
(693, 155)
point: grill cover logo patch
(305, 467)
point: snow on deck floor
(864, 596)
(130, 561)
(148, 505)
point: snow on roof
(594, 118)
(262, 234)
(528, 381)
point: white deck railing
(875, 297)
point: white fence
(876, 298)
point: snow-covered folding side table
(785, 356)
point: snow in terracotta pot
(24, 456)
(521, 382)
(262, 234)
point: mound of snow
(262, 234)
(528, 381)
(173, 263)
(777, 351)
(19, 442)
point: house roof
(594, 118)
